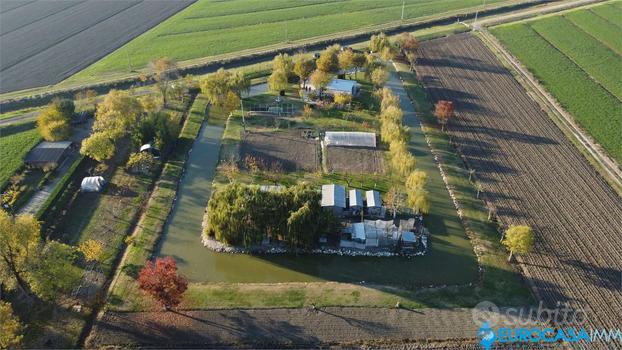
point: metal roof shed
(373, 199)
(47, 153)
(333, 196)
(342, 86)
(350, 139)
(356, 199)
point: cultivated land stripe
(81, 34)
(281, 327)
(533, 175)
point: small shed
(47, 154)
(355, 199)
(350, 139)
(334, 198)
(92, 184)
(374, 203)
(342, 86)
(365, 234)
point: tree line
(243, 215)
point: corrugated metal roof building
(350, 139)
(373, 199)
(333, 196)
(356, 199)
(47, 153)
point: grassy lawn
(209, 28)
(15, 142)
(585, 86)
(19, 112)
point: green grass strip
(607, 33)
(596, 59)
(593, 107)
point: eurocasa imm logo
(486, 336)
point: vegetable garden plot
(533, 175)
(280, 151)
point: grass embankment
(15, 142)
(209, 28)
(150, 227)
(500, 283)
(581, 72)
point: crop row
(15, 141)
(533, 175)
(610, 12)
(594, 108)
(597, 27)
(214, 36)
(593, 57)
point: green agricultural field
(597, 27)
(210, 27)
(15, 141)
(579, 69)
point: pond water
(450, 260)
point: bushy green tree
(99, 146)
(141, 163)
(518, 239)
(54, 122)
(157, 127)
(277, 81)
(328, 61)
(303, 66)
(283, 62)
(10, 327)
(217, 85)
(54, 273)
(29, 264)
(244, 215)
(118, 114)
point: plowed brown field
(533, 175)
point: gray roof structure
(373, 199)
(350, 139)
(47, 152)
(356, 198)
(333, 196)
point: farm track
(534, 175)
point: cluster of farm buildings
(364, 226)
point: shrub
(141, 163)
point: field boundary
(246, 57)
(608, 167)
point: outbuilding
(350, 139)
(374, 203)
(92, 184)
(47, 154)
(334, 198)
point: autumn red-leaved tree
(161, 281)
(443, 110)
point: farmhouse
(350, 139)
(337, 86)
(334, 198)
(48, 154)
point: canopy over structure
(92, 184)
(350, 139)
